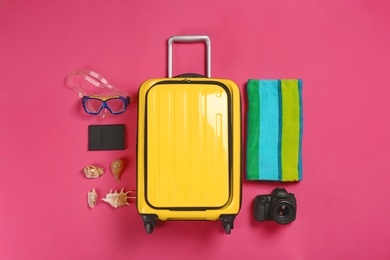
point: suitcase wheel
(228, 228)
(149, 228)
(227, 223)
(149, 222)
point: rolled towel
(274, 130)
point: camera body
(279, 206)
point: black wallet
(106, 137)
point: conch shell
(92, 198)
(118, 199)
(117, 168)
(93, 172)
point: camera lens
(283, 212)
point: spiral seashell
(117, 168)
(118, 199)
(92, 198)
(93, 172)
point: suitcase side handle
(190, 38)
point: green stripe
(253, 130)
(290, 130)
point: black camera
(280, 206)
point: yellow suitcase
(189, 147)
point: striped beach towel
(274, 130)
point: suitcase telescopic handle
(190, 38)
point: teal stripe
(300, 130)
(280, 120)
(253, 130)
(269, 123)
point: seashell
(92, 198)
(93, 172)
(118, 199)
(117, 168)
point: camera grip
(260, 208)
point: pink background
(341, 50)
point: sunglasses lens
(93, 105)
(116, 105)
